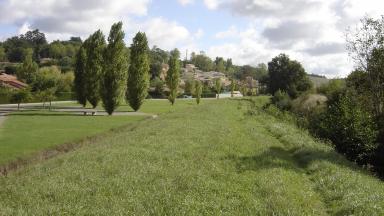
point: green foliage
(173, 75)
(138, 74)
(94, 47)
(233, 86)
(114, 80)
(332, 89)
(220, 65)
(3, 55)
(198, 91)
(258, 73)
(28, 69)
(190, 87)
(257, 166)
(80, 77)
(20, 96)
(158, 84)
(282, 100)
(288, 76)
(46, 78)
(202, 61)
(157, 57)
(218, 87)
(350, 128)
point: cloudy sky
(248, 31)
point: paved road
(75, 110)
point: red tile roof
(11, 81)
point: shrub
(282, 100)
(351, 129)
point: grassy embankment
(212, 159)
(25, 133)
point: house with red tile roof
(10, 81)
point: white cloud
(166, 34)
(70, 17)
(311, 31)
(186, 2)
(212, 4)
(199, 33)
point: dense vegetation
(351, 115)
(259, 165)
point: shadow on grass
(293, 159)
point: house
(10, 81)
(164, 70)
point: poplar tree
(173, 75)
(138, 74)
(198, 91)
(233, 86)
(94, 47)
(218, 87)
(80, 77)
(114, 79)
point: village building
(10, 81)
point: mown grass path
(212, 159)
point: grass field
(25, 133)
(213, 159)
(149, 106)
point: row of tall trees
(107, 72)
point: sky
(248, 31)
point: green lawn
(212, 159)
(149, 106)
(29, 132)
(25, 133)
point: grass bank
(213, 159)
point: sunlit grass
(213, 159)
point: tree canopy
(288, 76)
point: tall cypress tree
(94, 47)
(114, 80)
(138, 73)
(80, 78)
(198, 91)
(173, 75)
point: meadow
(26, 133)
(224, 157)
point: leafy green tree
(28, 69)
(21, 96)
(114, 80)
(46, 78)
(218, 87)
(173, 75)
(198, 91)
(202, 61)
(288, 76)
(157, 57)
(233, 87)
(350, 128)
(366, 47)
(220, 64)
(46, 95)
(158, 85)
(190, 87)
(3, 55)
(282, 100)
(80, 77)
(94, 47)
(138, 74)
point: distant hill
(318, 80)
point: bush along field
(226, 157)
